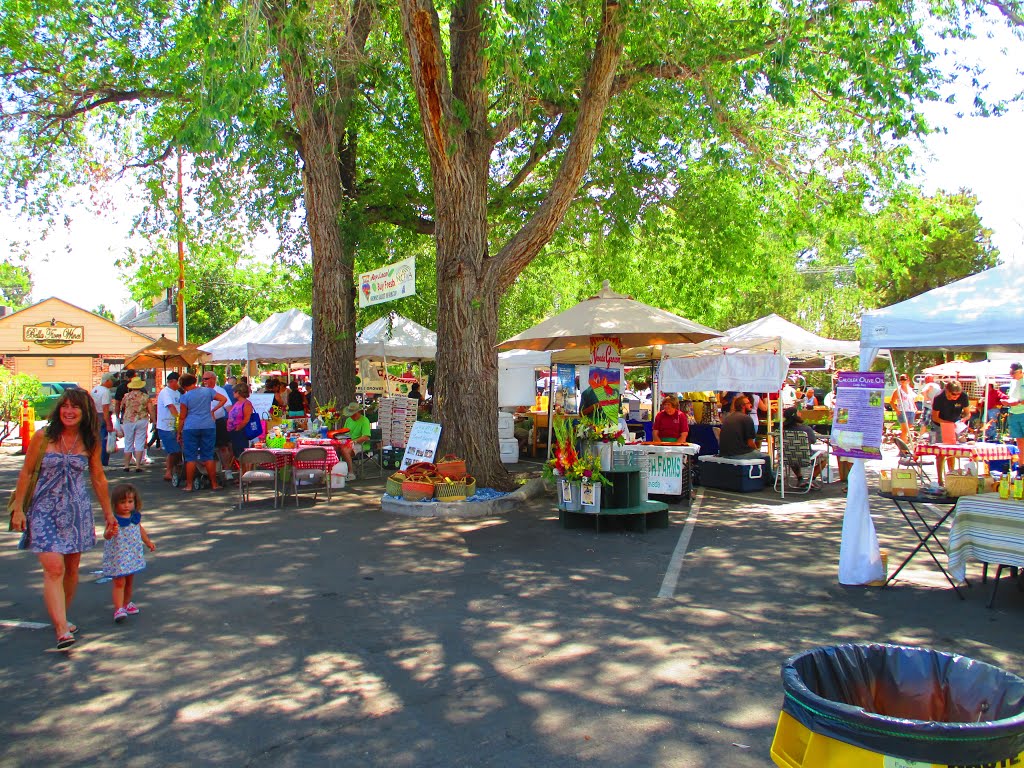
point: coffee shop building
(57, 341)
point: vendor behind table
(671, 424)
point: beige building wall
(57, 341)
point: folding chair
(311, 479)
(251, 472)
(370, 462)
(907, 459)
(798, 453)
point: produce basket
(417, 488)
(961, 484)
(393, 486)
(457, 490)
(452, 467)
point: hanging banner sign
(390, 282)
(566, 395)
(859, 414)
(606, 373)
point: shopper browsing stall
(737, 439)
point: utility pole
(181, 256)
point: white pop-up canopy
(283, 336)
(732, 370)
(980, 312)
(771, 333)
(394, 337)
(232, 336)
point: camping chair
(907, 459)
(797, 453)
(370, 462)
(314, 479)
(251, 472)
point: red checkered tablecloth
(285, 457)
(972, 451)
(326, 442)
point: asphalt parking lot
(337, 634)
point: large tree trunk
(329, 154)
(466, 387)
(334, 349)
(470, 282)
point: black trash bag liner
(907, 702)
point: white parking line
(675, 565)
(17, 624)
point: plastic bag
(912, 703)
(111, 442)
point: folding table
(924, 530)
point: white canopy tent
(517, 382)
(771, 333)
(982, 312)
(730, 370)
(981, 370)
(231, 337)
(284, 336)
(754, 357)
(396, 338)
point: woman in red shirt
(671, 424)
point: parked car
(52, 390)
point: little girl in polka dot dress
(122, 554)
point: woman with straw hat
(135, 423)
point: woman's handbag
(32, 480)
(253, 427)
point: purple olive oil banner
(859, 414)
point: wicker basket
(452, 467)
(961, 484)
(459, 490)
(393, 486)
(417, 489)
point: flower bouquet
(567, 464)
(600, 432)
(329, 415)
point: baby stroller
(201, 479)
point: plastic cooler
(744, 475)
(892, 706)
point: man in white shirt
(166, 418)
(102, 397)
(1015, 399)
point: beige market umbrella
(166, 352)
(610, 314)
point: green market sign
(53, 334)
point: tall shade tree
(527, 109)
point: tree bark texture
(470, 282)
(328, 153)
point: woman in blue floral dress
(59, 517)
